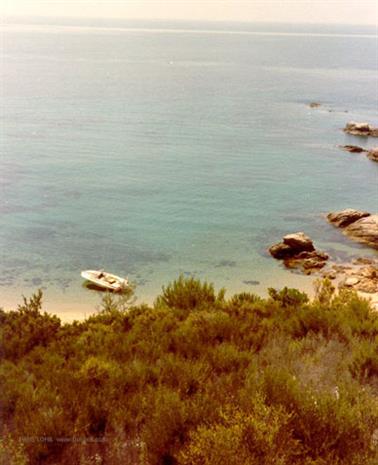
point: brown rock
(364, 230)
(315, 105)
(361, 129)
(307, 261)
(312, 264)
(367, 285)
(346, 217)
(352, 281)
(280, 251)
(315, 254)
(299, 242)
(373, 154)
(298, 251)
(370, 272)
(352, 148)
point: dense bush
(194, 379)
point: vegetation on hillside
(195, 379)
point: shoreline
(73, 306)
(69, 309)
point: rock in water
(361, 129)
(298, 251)
(373, 154)
(307, 261)
(299, 242)
(364, 230)
(346, 217)
(281, 251)
(353, 148)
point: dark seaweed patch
(226, 264)
(251, 282)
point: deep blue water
(157, 149)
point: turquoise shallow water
(176, 148)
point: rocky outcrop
(297, 251)
(359, 275)
(292, 245)
(308, 262)
(299, 242)
(363, 279)
(364, 230)
(280, 251)
(373, 154)
(352, 148)
(361, 129)
(346, 217)
(358, 225)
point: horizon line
(225, 21)
(51, 28)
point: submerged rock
(251, 282)
(361, 129)
(346, 217)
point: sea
(159, 149)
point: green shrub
(261, 435)
(26, 328)
(12, 451)
(194, 379)
(288, 297)
(188, 294)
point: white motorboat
(105, 280)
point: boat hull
(105, 280)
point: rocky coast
(361, 129)
(297, 250)
(358, 225)
(372, 153)
(298, 253)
